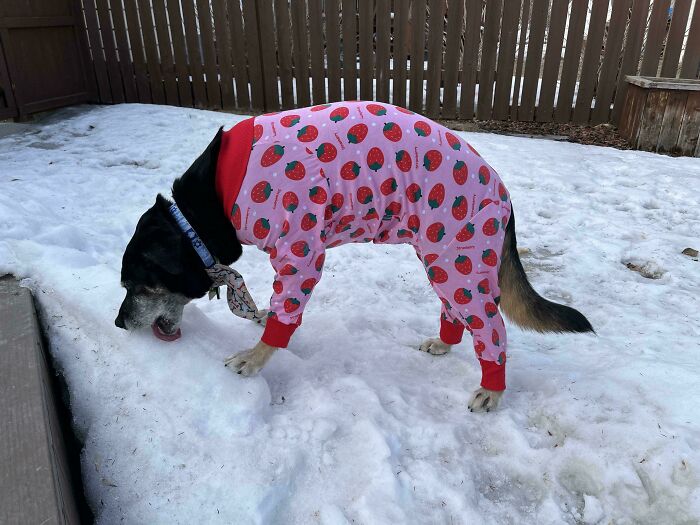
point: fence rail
(543, 60)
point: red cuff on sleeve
(493, 375)
(451, 333)
(278, 334)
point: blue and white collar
(197, 242)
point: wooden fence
(544, 60)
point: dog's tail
(523, 305)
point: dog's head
(161, 273)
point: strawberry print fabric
(349, 172)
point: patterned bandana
(238, 297)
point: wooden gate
(43, 59)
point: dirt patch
(600, 135)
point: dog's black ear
(165, 240)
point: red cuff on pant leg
(278, 334)
(493, 375)
(451, 333)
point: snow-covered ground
(351, 424)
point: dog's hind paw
(484, 400)
(434, 346)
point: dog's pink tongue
(160, 334)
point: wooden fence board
(418, 17)
(284, 52)
(552, 60)
(572, 58)
(167, 66)
(155, 78)
(184, 85)
(691, 58)
(318, 80)
(252, 44)
(125, 62)
(401, 44)
(633, 50)
(223, 53)
(98, 60)
(676, 35)
(382, 55)
(349, 62)
(238, 54)
(591, 61)
(366, 32)
(655, 38)
(110, 51)
(193, 54)
(268, 54)
(455, 23)
(434, 72)
(533, 62)
(506, 59)
(300, 52)
(333, 49)
(608, 71)
(492, 29)
(522, 43)
(137, 52)
(636, 98)
(470, 58)
(210, 66)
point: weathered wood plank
(455, 26)
(223, 53)
(332, 16)
(652, 117)
(252, 41)
(470, 58)
(300, 52)
(633, 50)
(572, 59)
(676, 35)
(671, 123)
(184, 85)
(691, 57)
(98, 61)
(125, 62)
(689, 135)
(350, 32)
(655, 38)
(193, 54)
(591, 61)
(268, 54)
(608, 71)
(401, 46)
(167, 65)
(533, 61)
(383, 50)
(318, 70)
(110, 51)
(155, 76)
(434, 72)
(632, 109)
(492, 29)
(552, 60)
(418, 17)
(519, 63)
(238, 54)
(366, 32)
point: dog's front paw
(484, 400)
(249, 362)
(434, 346)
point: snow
(351, 424)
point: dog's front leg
(435, 346)
(250, 362)
(484, 400)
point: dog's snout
(119, 321)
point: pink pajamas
(347, 172)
